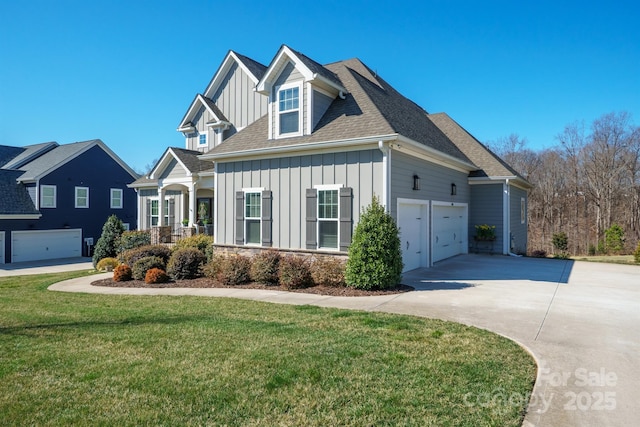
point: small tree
(375, 256)
(107, 245)
(614, 239)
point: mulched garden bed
(204, 282)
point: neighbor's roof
(15, 157)
(15, 198)
(490, 164)
(371, 108)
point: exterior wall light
(454, 189)
(416, 182)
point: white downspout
(386, 161)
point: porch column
(160, 206)
(192, 203)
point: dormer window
(289, 115)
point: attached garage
(414, 237)
(45, 244)
(449, 235)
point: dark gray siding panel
(518, 228)
(320, 104)
(486, 208)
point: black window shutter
(312, 218)
(266, 218)
(239, 217)
(346, 218)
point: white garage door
(412, 222)
(449, 231)
(45, 244)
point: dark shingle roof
(28, 153)
(191, 160)
(15, 198)
(317, 68)
(489, 163)
(219, 114)
(256, 68)
(53, 158)
(8, 153)
(371, 108)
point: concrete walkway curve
(579, 319)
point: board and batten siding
(200, 122)
(288, 74)
(148, 194)
(518, 229)
(238, 101)
(173, 170)
(435, 181)
(288, 178)
(321, 103)
(486, 208)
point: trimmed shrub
(107, 264)
(133, 239)
(122, 273)
(132, 255)
(328, 271)
(141, 266)
(234, 270)
(561, 244)
(592, 250)
(636, 254)
(156, 275)
(264, 267)
(294, 272)
(212, 268)
(375, 256)
(539, 253)
(202, 242)
(106, 246)
(185, 263)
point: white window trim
(111, 193)
(276, 109)
(166, 215)
(327, 187)
(206, 139)
(244, 206)
(75, 201)
(55, 196)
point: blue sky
(126, 71)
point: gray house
(333, 136)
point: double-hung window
(155, 214)
(328, 219)
(116, 198)
(82, 197)
(252, 216)
(289, 111)
(47, 196)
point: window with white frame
(252, 215)
(82, 197)
(47, 196)
(328, 219)
(155, 214)
(289, 116)
(202, 139)
(116, 198)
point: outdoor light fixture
(454, 189)
(416, 182)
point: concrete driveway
(581, 321)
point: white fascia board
(147, 185)
(513, 180)
(431, 154)
(336, 145)
(20, 216)
(195, 105)
(265, 85)
(326, 82)
(164, 162)
(222, 71)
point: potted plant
(185, 222)
(485, 233)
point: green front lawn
(611, 259)
(83, 359)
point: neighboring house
(182, 183)
(54, 197)
(336, 135)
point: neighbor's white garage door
(449, 231)
(45, 244)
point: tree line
(587, 186)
